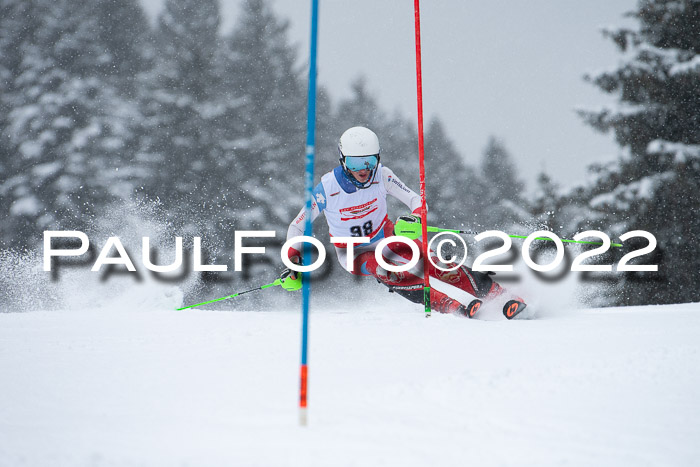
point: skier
(353, 198)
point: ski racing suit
(354, 212)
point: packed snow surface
(387, 387)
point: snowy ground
(388, 387)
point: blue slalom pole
(308, 230)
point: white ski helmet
(359, 149)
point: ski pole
(471, 232)
(438, 229)
(277, 282)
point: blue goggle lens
(357, 163)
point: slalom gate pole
(308, 230)
(277, 282)
(471, 232)
(421, 165)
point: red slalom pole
(421, 165)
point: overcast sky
(508, 68)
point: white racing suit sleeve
(296, 228)
(396, 188)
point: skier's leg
(475, 283)
(409, 284)
(410, 287)
(481, 285)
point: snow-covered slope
(387, 387)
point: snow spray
(26, 286)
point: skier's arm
(296, 228)
(395, 187)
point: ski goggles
(357, 163)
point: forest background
(113, 125)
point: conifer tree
(545, 204)
(452, 188)
(655, 183)
(19, 21)
(268, 143)
(183, 104)
(124, 30)
(501, 193)
(65, 125)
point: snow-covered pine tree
(655, 185)
(65, 125)
(502, 191)
(326, 132)
(545, 202)
(19, 21)
(18, 24)
(556, 209)
(452, 188)
(181, 156)
(268, 145)
(126, 34)
(361, 109)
